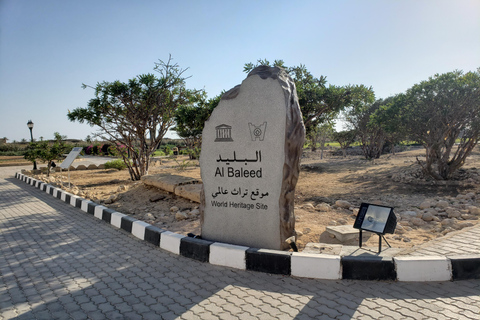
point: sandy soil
(322, 181)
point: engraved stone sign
(251, 148)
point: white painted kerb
(424, 268)
(171, 241)
(319, 266)
(138, 229)
(228, 255)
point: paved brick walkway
(464, 242)
(57, 262)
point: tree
(45, 151)
(137, 114)
(439, 113)
(320, 135)
(190, 120)
(370, 134)
(394, 128)
(345, 139)
(318, 102)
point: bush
(106, 149)
(115, 164)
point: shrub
(88, 150)
(106, 149)
(115, 164)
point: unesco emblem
(223, 133)
(257, 132)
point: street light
(30, 126)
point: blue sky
(48, 48)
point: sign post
(69, 160)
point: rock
(157, 198)
(355, 211)
(462, 225)
(342, 221)
(343, 204)
(447, 230)
(470, 195)
(181, 216)
(406, 239)
(408, 214)
(323, 207)
(121, 188)
(194, 212)
(308, 206)
(469, 217)
(452, 213)
(333, 223)
(399, 229)
(474, 210)
(448, 222)
(299, 233)
(111, 199)
(306, 230)
(442, 204)
(174, 209)
(417, 222)
(427, 216)
(149, 217)
(425, 205)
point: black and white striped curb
(320, 266)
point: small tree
(137, 114)
(345, 139)
(320, 135)
(370, 134)
(190, 120)
(46, 152)
(440, 112)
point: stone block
(424, 268)
(171, 241)
(319, 266)
(116, 219)
(138, 229)
(228, 255)
(347, 233)
(368, 268)
(189, 191)
(251, 148)
(167, 182)
(269, 261)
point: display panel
(375, 218)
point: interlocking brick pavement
(56, 262)
(463, 242)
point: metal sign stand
(380, 236)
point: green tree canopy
(47, 152)
(438, 113)
(190, 120)
(137, 113)
(318, 102)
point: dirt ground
(322, 182)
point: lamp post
(30, 126)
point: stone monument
(250, 162)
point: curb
(318, 266)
